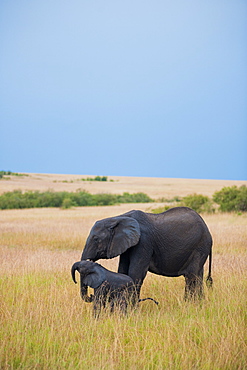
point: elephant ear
(125, 234)
(95, 278)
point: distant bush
(35, 199)
(81, 198)
(199, 203)
(175, 199)
(104, 199)
(67, 203)
(134, 198)
(102, 178)
(161, 209)
(232, 199)
(96, 178)
(229, 199)
(9, 173)
(5, 173)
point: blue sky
(130, 88)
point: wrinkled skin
(173, 243)
(109, 287)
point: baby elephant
(109, 287)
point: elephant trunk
(73, 270)
(84, 288)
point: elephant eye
(95, 238)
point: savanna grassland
(44, 323)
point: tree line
(35, 199)
(228, 199)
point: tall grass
(45, 325)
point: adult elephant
(173, 243)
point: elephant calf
(109, 287)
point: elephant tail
(151, 299)
(209, 280)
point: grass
(45, 325)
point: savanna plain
(44, 323)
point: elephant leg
(99, 301)
(123, 306)
(127, 268)
(124, 261)
(194, 286)
(118, 305)
(138, 276)
(135, 263)
(114, 300)
(96, 309)
(194, 277)
(112, 305)
(121, 302)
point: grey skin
(109, 287)
(173, 243)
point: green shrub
(82, 198)
(134, 198)
(67, 203)
(141, 198)
(199, 203)
(96, 178)
(175, 199)
(4, 173)
(11, 200)
(232, 199)
(8, 173)
(35, 199)
(99, 178)
(104, 199)
(161, 209)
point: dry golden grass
(55, 232)
(154, 187)
(45, 325)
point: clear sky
(154, 88)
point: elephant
(173, 243)
(109, 287)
